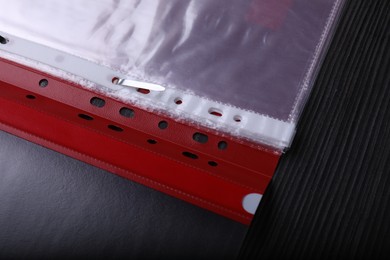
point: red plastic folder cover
(196, 98)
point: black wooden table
(330, 196)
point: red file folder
(190, 158)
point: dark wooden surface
(330, 196)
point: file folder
(197, 99)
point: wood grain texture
(330, 196)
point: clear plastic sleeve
(244, 67)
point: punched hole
(151, 141)
(143, 91)
(200, 138)
(215, 112)
(115, 80)
(97, 102)
(213, 164)
(30, 97)
(163, 125)
(237, 119)
(43, 83)
(115, 128)
(127, 112)
(190, 155)
(178, 101)
(3, 40)
(222, 145)
(86, 117)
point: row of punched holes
(129, 113)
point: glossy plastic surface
(255, 55)
(216, 174)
